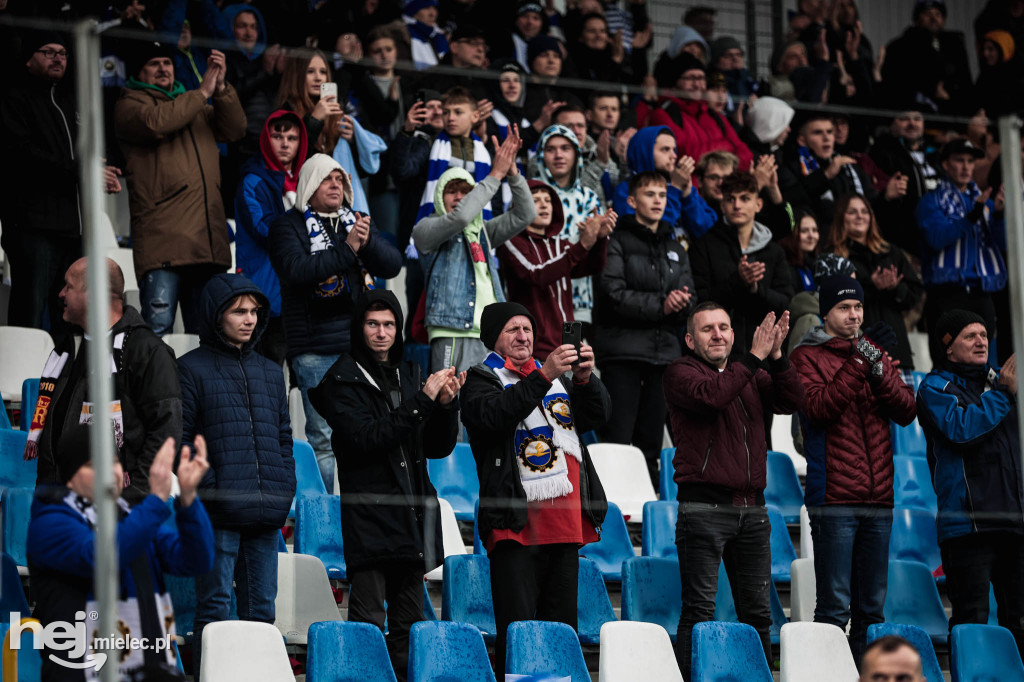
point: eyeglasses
(51, 54)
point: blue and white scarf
(543, 440)
(440, 160)
(956, 203)
(809, 164)
(320, 240)
(427, 42)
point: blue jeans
(706, 536)
(162, 289)
(248, 558)
(851, 567)
(309, 369)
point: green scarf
(135, 84)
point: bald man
(146, 408)
(891, 659)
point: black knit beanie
(952, 322)
(837, 288)
(494, 318)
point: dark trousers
(531, 583)
(638, 417)
(401, 586)
(38, 263)
(973, 561)
(949, 297)
(273, 344)
(707, 535)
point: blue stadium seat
(307, 473)
(651, 591)
(613, 548)
(318, 532)
(29, 396)
(916, 636)
(282, 546)
(659, 529)
(589, 438)
(914, 538)
(12, 594)
(727, 652)
(913, 599)
(907, 439)
(347, 652)
(783, 490)
(454, 478)
(440, 651)
(984, 652)
(478, 544)
(541, 648)
(725, 606)
(5, 421)
(912, 484)
(17, 510)
(15, 472)
(420, 354)
(993, 607)
(593, 607)
(428, 606)
(466, 593)
(669, 487)
(783, 553)
(28, 661)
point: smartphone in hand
(329, 90)
(572, 332)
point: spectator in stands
(602, 57)
(795, 77)
(853, 391)
(963, 236)
(530, 21)
(998, 88)
(767, 120)
(717, 411)
(903, 151)
(468, 52)
(737, 264)
(539, 263)
(179, 233)
(654, 149)
(508, 96)
(1003, 15)
(802, 247)
(42, 223)
(702, 19)
(267, 190)
(599, 170)
(891, 286)
(686, 39)
(727, 58)
(816, 176)
(429, 44)
(891, 659)
(455, 245)
(304, 73)
(61, 553)
(967, 409)
(325, 255)
(644, 295)
(711, 169)
(540, 496)
(146, 409)
(927, 64)
(251, 482)
(386, 423)
(545, 93)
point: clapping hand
(191, 470)
(359, 234)
(452, 387)
(751, 272)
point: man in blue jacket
(237, 399)
(968, 410)
(61, 556)
(268, 189)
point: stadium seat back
(727, 652)
(318, 532)
(466, 592)
(535, 647)
(593, 607)
(658, 537)
(916, 636)
(613, 548)
(347, 652)
(454, 477)
(441, 651)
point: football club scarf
(544, 439)
(320, 240)
(809, 164)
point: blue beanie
(414, 6)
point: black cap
(539, 44)
(467, 32)
(142, 52)
(494, 318)
(960, 145)
(837, 288)
(529, 6)
(952, 322)
(33, 40)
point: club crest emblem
(559, 410)
(538, 453)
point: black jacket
(146, 383)
(913, 68)
(715, 261)
(39, 181)
(389, 510)
(642, 267)
(237, 400)
(890, 156)
(491, 414)
(409, 155)
(318, 326)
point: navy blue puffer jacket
(235, 398)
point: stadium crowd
(591, 237)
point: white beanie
(768, 117)
(314, 170)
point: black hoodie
(388, 502)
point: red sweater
(702, 131)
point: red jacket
(702, 130)
(846, 422)
(538, 271)
(718, 425)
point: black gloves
(881, 335)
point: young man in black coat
(644, 295)
(386, 422)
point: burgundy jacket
(845, 419)
(718, 425)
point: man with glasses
(39, 208)
(467, 51)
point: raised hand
(781, 331)
(359, 234)
(452, 388)
(836, 165)
(751, 272)
(160, 471)
(896, 187)
(328, 106)
(544, 120)
(1008, 374)
(191, 469)
(436, 381)
(348, 128)
(764, 337)
(505, 159)
(682, 174)
(414, 118)
(622, 142)
(604, 142)
(582, 370)
(560, 361)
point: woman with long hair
(802, 247)
(891, 287)
(303, 73)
